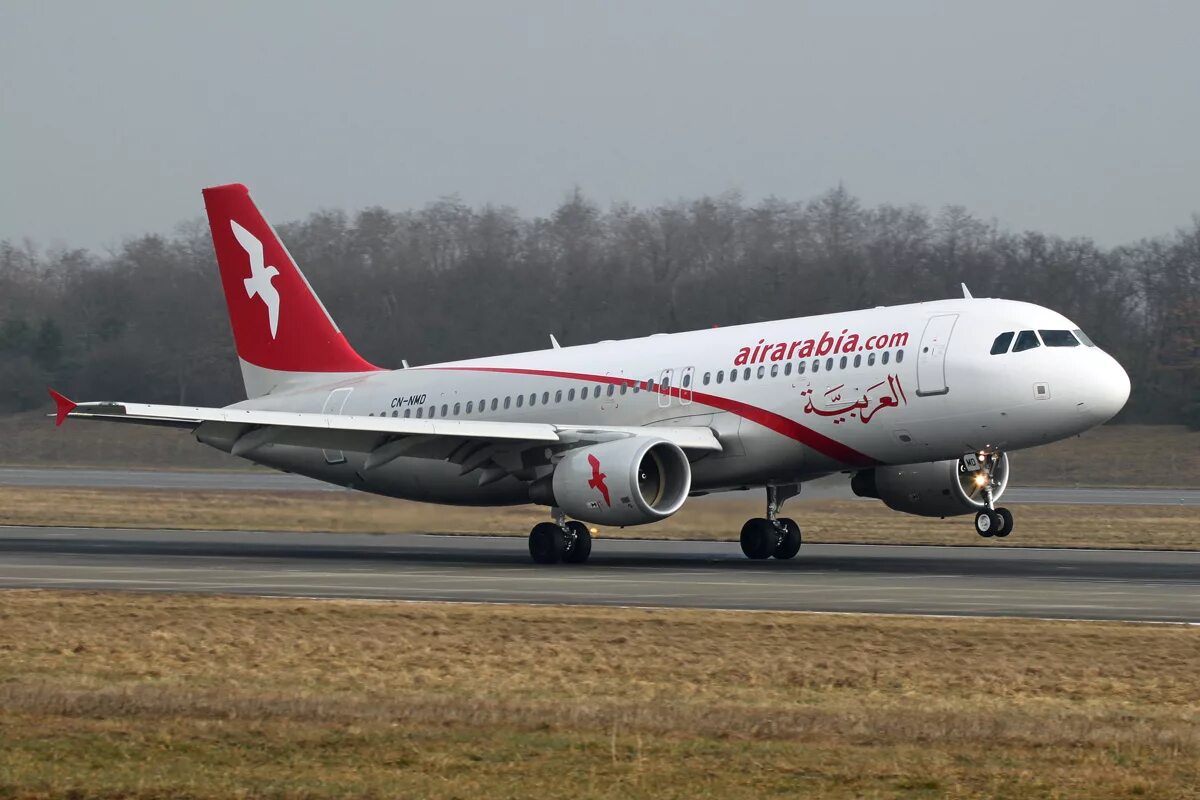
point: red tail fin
(278, 322)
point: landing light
(981, 480)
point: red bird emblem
(597, 480)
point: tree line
(147, 321)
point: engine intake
(934, 489)
(629, 481)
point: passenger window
(1083, 337)
(883, 359)
(761, 372)
(421, 412)
(899, 356)
(520, 400)
(870, 359)
(596, 393)
(857, 361)
(746, 374)
(1026, 340)
(570, 395)
(624, 388)
(828, 364)
(816, 365)
(532, 399)
(720, 376)
(545, 398)
(496, 401)
(650, 385)
(395, 412)
(611, 389)
(444, 410)
(558, 396)
(842, 363)
(1000, 346)
(787, 368)
(707, 375)
(774, 370)
(482, 406)
(507, 402)
(801, 367)
(407, 413)
(733, 373)
(470, 406)
(457, 409)
(1059, 339)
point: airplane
(918, 404)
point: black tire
(759, 539)
(789, 539)
(546, 544)
(1006, 522)
(578, 550)
(986, 523)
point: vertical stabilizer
(282, 331)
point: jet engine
(629, 481)
(938, 488)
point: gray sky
(1076, 118)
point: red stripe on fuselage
(761, 416)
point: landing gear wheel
(546, 544)
(759, 539)
(789, 539)
(987, 523)
(580, 547)
(1006, 522)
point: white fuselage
(811, 396)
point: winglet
(967, 292)
(554, 343)
(65, 407)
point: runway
(968, 581)
(264, 480)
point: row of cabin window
(1027, 340)
(637, 386)
(802, 367)
(507, 402)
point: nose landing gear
(990, 521)
(773, 536)
(994, 522)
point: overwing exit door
(333, 406)
(931, 361)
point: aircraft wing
(472, 443)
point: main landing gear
(773, 536)
(552, 542)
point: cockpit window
(1026, 340)
(1059, 339)
(1083, 337)
(1002, 342)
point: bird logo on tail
(597, 479)
(259, 282)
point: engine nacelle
(629, 481)
(934, 489)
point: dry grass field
(858, 521)
(157, 696)
(1112, 455)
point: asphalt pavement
(1155, 586)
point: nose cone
(1107, 392)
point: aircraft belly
(422, 479)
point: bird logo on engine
(597, 480)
